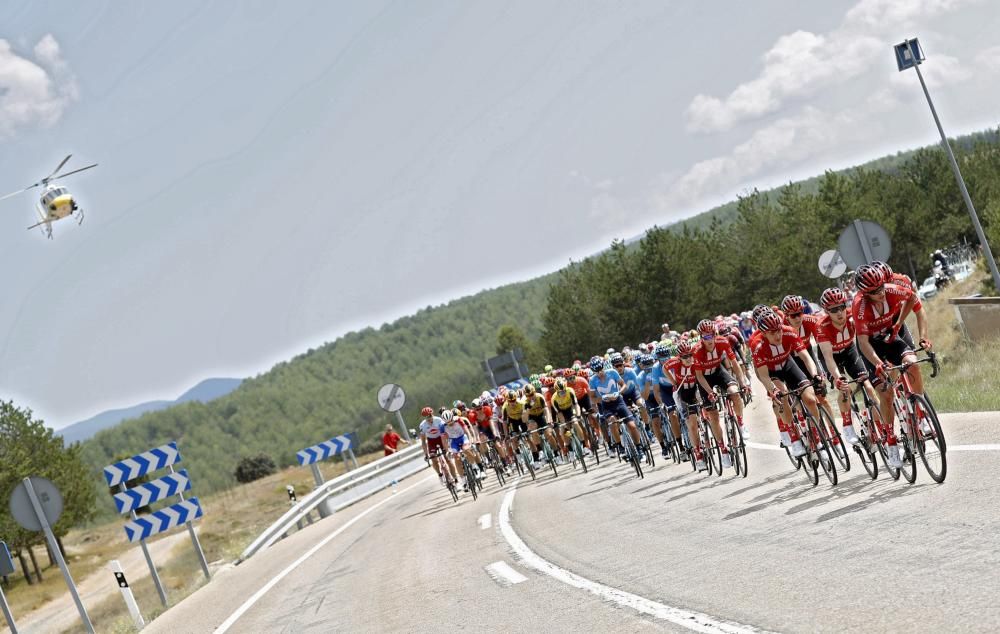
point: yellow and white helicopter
(55, 202)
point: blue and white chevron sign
(146, 494)
(140, 465)
(326, 449)
(163, 520)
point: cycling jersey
(684, 373)
(608, 386)
(581, 387)
(563, 400)
(773, 357)
(535, 405)
(432, 428)
(481, 416)
(875, 317)
(707, 361)
(513, 409)
(838, 338)
(454, 429)
(632, 386)
(807, 328)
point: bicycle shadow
(892, 491)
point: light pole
(910, 55)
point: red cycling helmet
(885, 269)
(868, 277)
(792, 304)
(832, 297)
(684, 348)
(706, 327)
(427, 411)
(769, 322)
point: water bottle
(394, 484)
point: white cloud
(33, 92)
(989, 59)
(944, 71)
(802, 63)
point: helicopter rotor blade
(12, 194)
(58, 176)
(59, 167)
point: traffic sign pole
(149, 559)
(133, 607)
(194, 539)
(402, 425)
(6, 568)
(863, 237)
(54, 546)
(7, 614)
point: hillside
(205, 391)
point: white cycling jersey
(432, 428)
(454, 429)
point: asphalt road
(675, 551)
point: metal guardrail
(399, 465)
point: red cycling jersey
(875, 317)
(807, 329)
(839, 339)
(683, 373)
(481, 416)
(581, 387)
(766, 354)
(706, 361)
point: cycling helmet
(617, 358)
(759, 310)
(596, 364)
(484, 396)
(459, 405)
(529, 389)
(769, 322)
(532, 378)
(427, 411)
(546, 381)
(706, 327)
(832, 297)
(868, 278)
(646, 361)
(569, 373)
(885, 268)
(685, 348)
(725, 329)
(548, 368)
(662, 352)
(792, 304)
(511, 396)
(476, 403)
(560, 384)
(447, 416)
(441, 410)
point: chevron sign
(146, 494)
(326, 449)
(163, 520)
(140, 465)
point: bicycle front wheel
(819, 445)
(578, 450)
(837, 446)
(864, 449)
(632, 451)
(930, 439)
(550, 456)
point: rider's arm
(826, 349)
(865, 344)
(734, 367)
(765, 378)
(922, 327)
(808, 360)
(701, 380)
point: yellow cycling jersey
(536, 405)
(564, 400)
(513, 409)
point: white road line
(760, 445)
(503, 574)
(981, 447)
(228, 623)
(685, 618)
(485, 521)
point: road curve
(769, 553)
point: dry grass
(232, 520)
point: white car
(928, 288)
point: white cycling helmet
(446, 416)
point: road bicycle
(709, 446)
(734, 435)
(919, 428)
(575, 444)
(449, 481)
(523, 456)
(814, 437)
(645, 445)
(547, 451)
(471, 480)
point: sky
(273, 175)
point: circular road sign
(48, 495)
(831, 264)
(391, 397)
(861, 234)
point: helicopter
(55, 202)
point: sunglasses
(686, 356)
(708, 337)
(877, 291)
(837, 309)
(791, 315)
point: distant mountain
(207, 390)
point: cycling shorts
(616, 408)
(721, 379)
(667, 398)
(849, 361)
(538, 419)
(688, 396)
(457, 444)
(487, 431)
(631, 397)
(567, 414)
(584, 403)
(517, 427)
(435, 444)
(790, 374)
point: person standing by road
(390, 441)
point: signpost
(505, 368)
(133, 607)
(831, 264)
(391, 398)
(322, 451)
(862, 242)
(173, 483)
(36, 504)
(6, 568)
(909, 54)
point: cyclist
(793, 307)
(566, 410)
(581, 388)
(653, 409)
(457, 429)
(879, 317)
(514, 415)
(835, 334)
(771, 353)
(712, 356)
(681, 372)
(632, 392)
(432, 440)
(536, 414)
(664, 386)
(606, 386)
(482, 421)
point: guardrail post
(324, 510)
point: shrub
(252, 468)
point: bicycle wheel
(592, 439)
(550, 456)
(470, 477)
(738, 449)
(452, 489)
(525, 456)
(820, 444)
(806, 462)
(647, 445)
(795, 461)
(930, 439)
(578, 451)
(837, 445)
(909, 468)
(632, 451)
(713, 453)
(864, 449)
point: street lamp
(910, 55)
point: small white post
(133, 607)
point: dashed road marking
(503, 574)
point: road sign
(864, 241)
(391, 397)
(163, 520)
(146, 494)
(140, 465)
(505, 367)
(908, 54)
(6, 562)
(831, 264)
(48, 495)
(324, 450)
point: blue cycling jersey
(607, 386)
(660, 377)
(632, 385)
